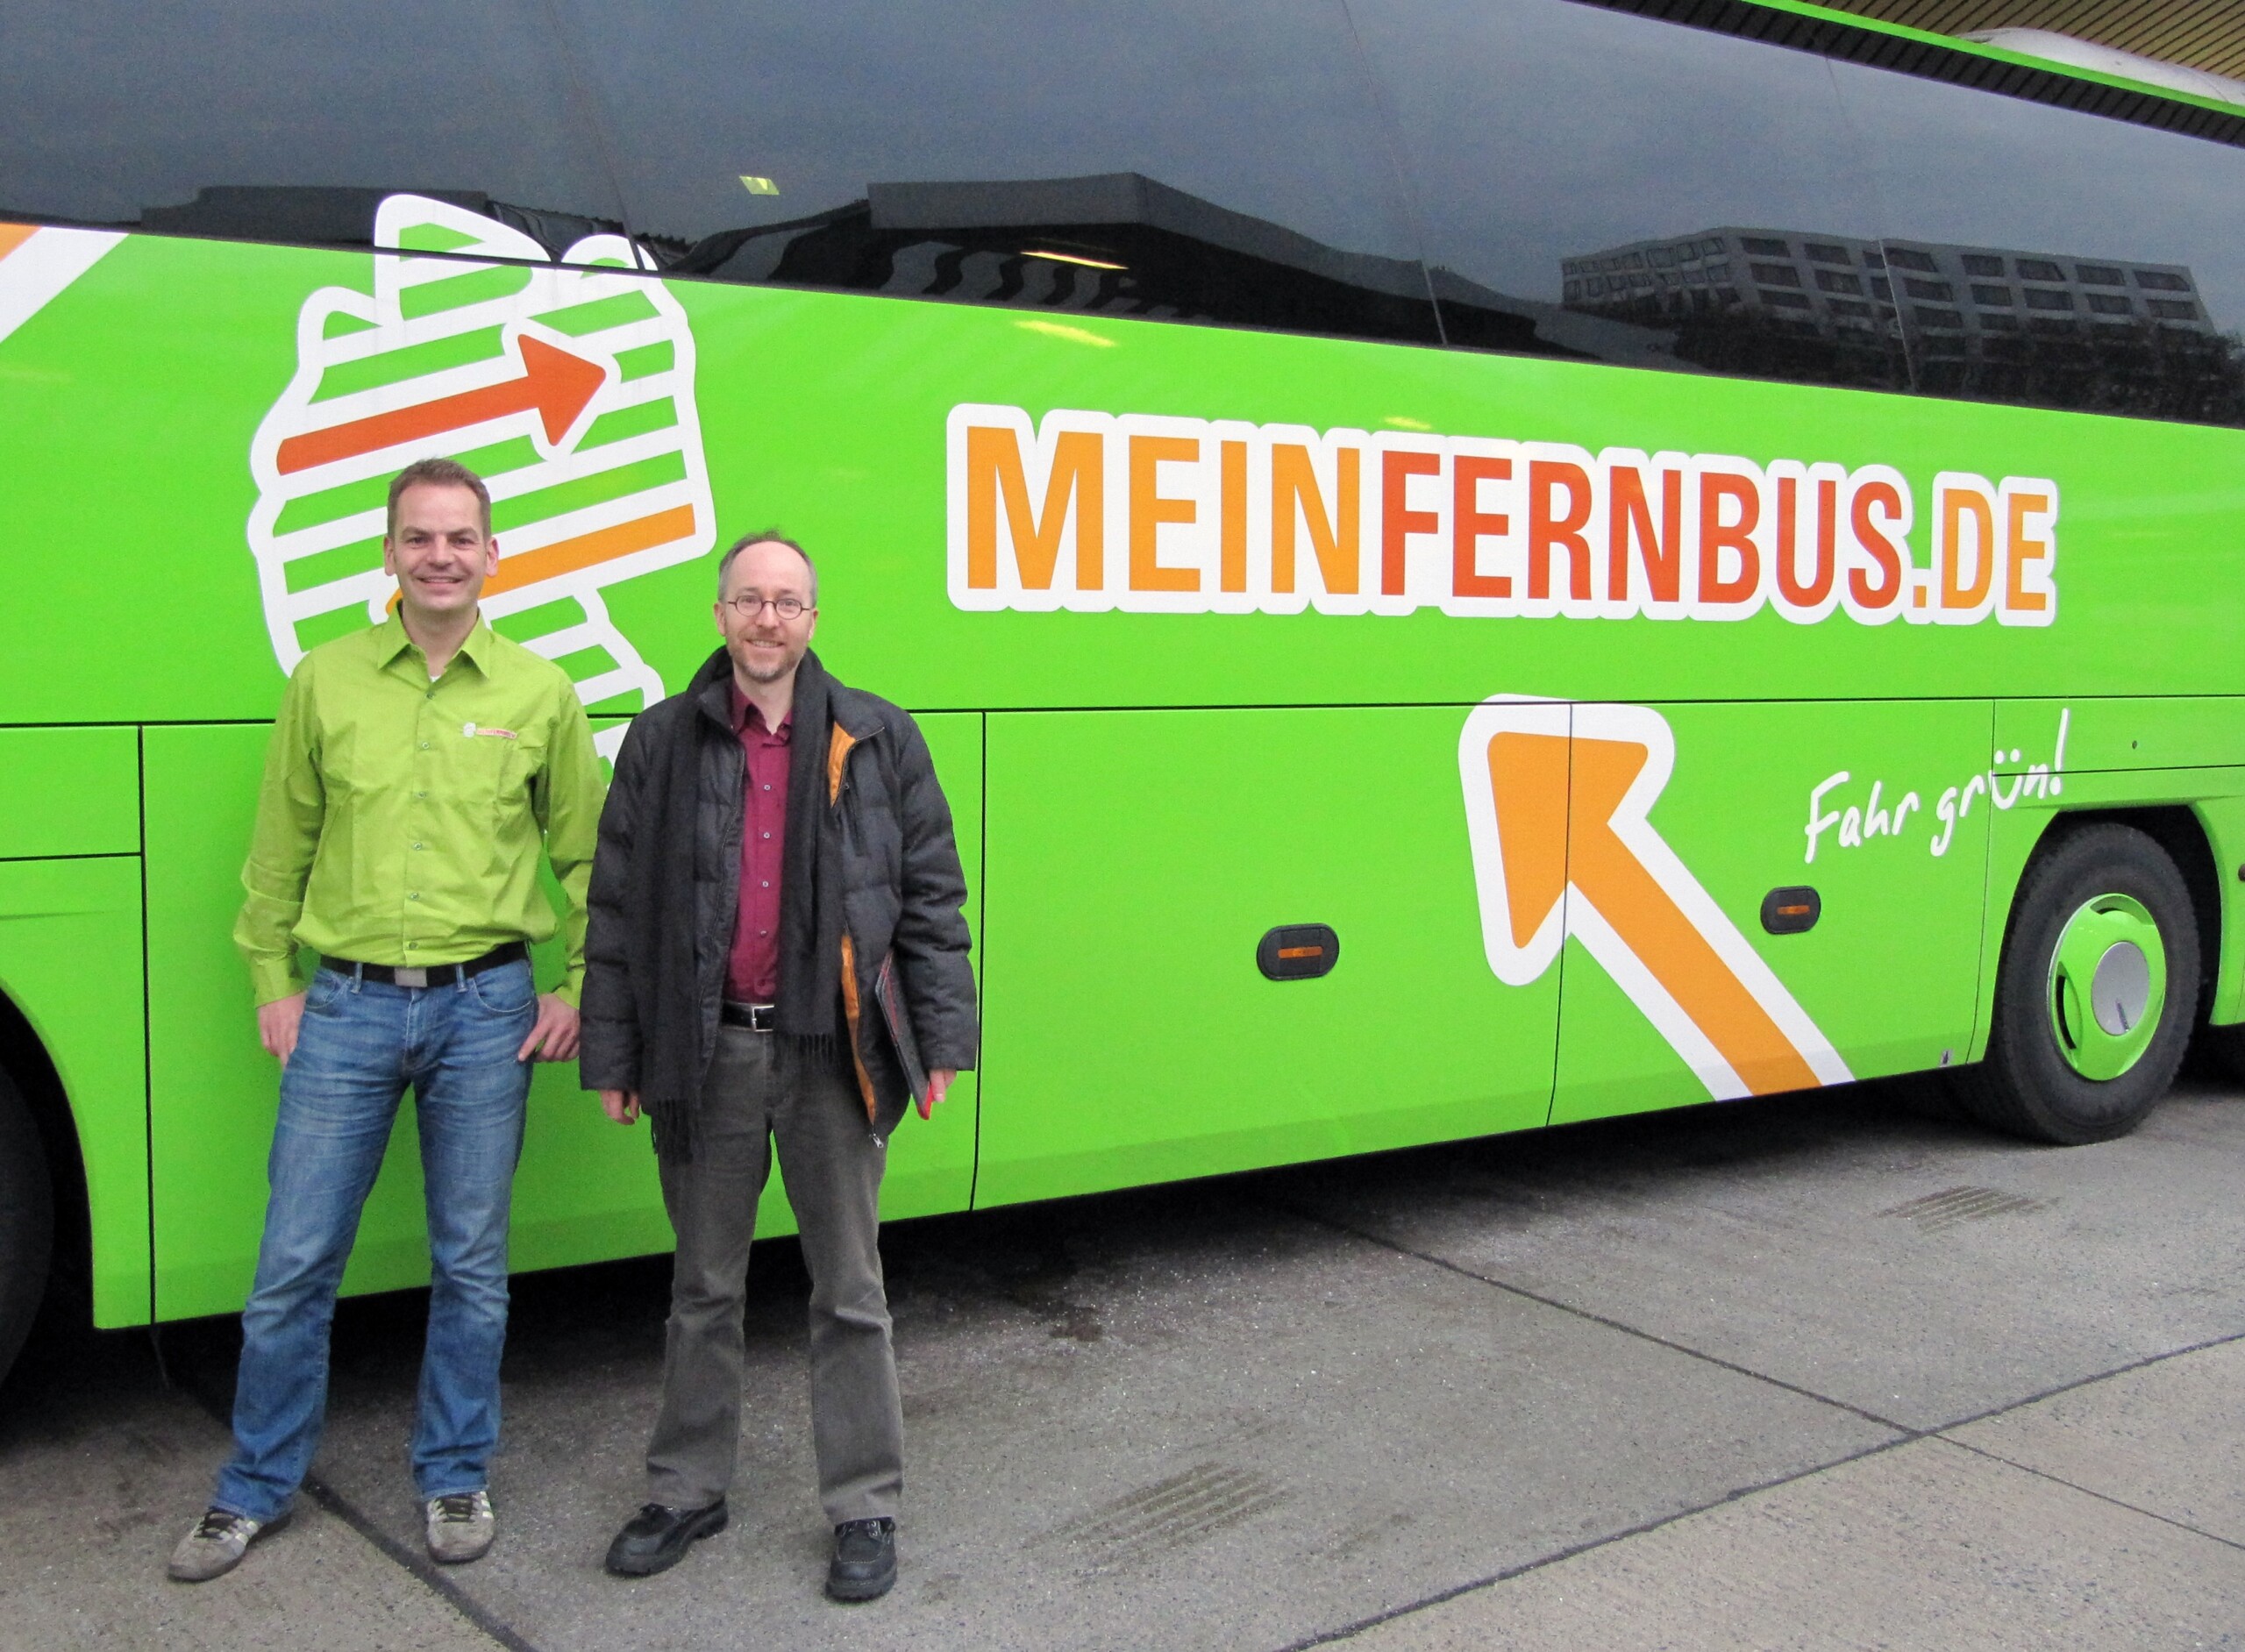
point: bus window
(1148, 158)
(1609, 187)
(285, 121)
(2043, 257)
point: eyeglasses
(748, 605)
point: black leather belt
(430, 975)
(754, 1018)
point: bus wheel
(27, 1222)
(2096, 993)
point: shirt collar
(390, 641)
(478, 644)
(741, 709)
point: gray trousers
(832, 1168)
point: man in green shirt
(413, 770)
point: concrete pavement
(1812, 1372)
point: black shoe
(865, 1559)
(656, 1538)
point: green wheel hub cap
(2108, 983)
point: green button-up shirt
(400, 818)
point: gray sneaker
(461, 1528)
(217, 1544)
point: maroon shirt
(753, 969)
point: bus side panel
(1670, 973)
(2118, 743)
(65, 925)
(2150, 732)
(2223, 817)
(931, 1162)
(70, 961)
(155, 366)
(2130, 754)
(1136, 860)
(213, 1088)
(70, 792)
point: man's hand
(622, 1106)
(277, 1023)
(939, 1082)
(554, 1036)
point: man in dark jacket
(776, 952)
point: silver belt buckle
(409, 978)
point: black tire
(26, 1223)
(2026, 1086)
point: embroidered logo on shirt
(472, 731)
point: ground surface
(1819, 1372)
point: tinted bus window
(290, 120)
(1151, 158)
(1605, 186)
(2055, 259)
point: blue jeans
(362, 1045)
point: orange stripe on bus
(14, 235)
(589, 549)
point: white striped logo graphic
(570, 390)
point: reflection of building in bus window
(1125, 245)
(1115, 244)
(2089, 343)
(1798, 314)
(1044, 129)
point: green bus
(1467, 563)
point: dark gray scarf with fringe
(809, 1011)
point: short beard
(754, 675)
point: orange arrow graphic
(554, 383)
(1564, 846)
(1527, 778)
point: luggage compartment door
(1138, 862)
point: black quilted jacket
(902, 905)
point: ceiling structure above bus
(2204, 35)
